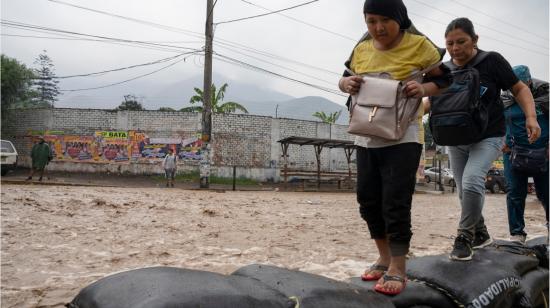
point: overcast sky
(309, 43)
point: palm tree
(217, 99)
(330, 118)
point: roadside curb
(23, 182)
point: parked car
(432, 174)
(8, 156)
(495, 181)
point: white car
(8, 156)
(432, 174)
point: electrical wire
(265, 14)
(124, 81)
(73, 38)
(19, 25)
(231, 60)
(211, 10)
(194, 34)
(123, 68)
(487, 37)
(506, 22)
(303, 22)
(481, 25)
(283, 67)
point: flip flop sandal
(380, 287)
(375, 267)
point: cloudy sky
(307, 44)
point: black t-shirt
(495, 74)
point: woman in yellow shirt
(386, 169)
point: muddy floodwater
(58, 239)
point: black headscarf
(394, 9)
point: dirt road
(57, 239)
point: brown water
(57, 240)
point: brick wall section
(241, 140)
(238, 140)
(82, 121)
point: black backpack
(457, 116)
(540, 94)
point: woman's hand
(533, 129)
(350, 84)
(414, 89)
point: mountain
(258, 100)
(298, 108)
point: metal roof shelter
(318, 144)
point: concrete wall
(246, 141)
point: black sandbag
(506, 254)
(415, 294)
(535, 284)
(491, 279)
(540, 246)
(541, 240)
(169, 287)
(314, 291)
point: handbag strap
(420, 73)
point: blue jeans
(470, 164)
(517, 192)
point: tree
(130, 103)
(16, 84)
(45, 83)
(166, 109)
(330, 118)
(217, 99)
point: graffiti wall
(117, 146)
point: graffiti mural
(113, 146)
(117, 146)
(81, 148)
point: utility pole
(204, 168)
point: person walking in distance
(170, 166)
(40, 157)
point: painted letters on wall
(117, 146)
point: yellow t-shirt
(413, 54)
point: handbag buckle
(372, 113)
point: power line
(481, 25)
(211, 10)
(506, 22)
(125, 68)
(256, 68)
(487, 37)
(19, 25)
(144, 22)
(280, 66)
(69, 38)
(303, 22)
(265, 14)
(195, 34)
(83, 39)
(124, 81)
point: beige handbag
(381, 109)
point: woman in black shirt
(471, 162)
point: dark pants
(517, 192)
(385, 185)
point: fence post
(234, 176)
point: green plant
(193, 177)
(330, 118)
(216, 100)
